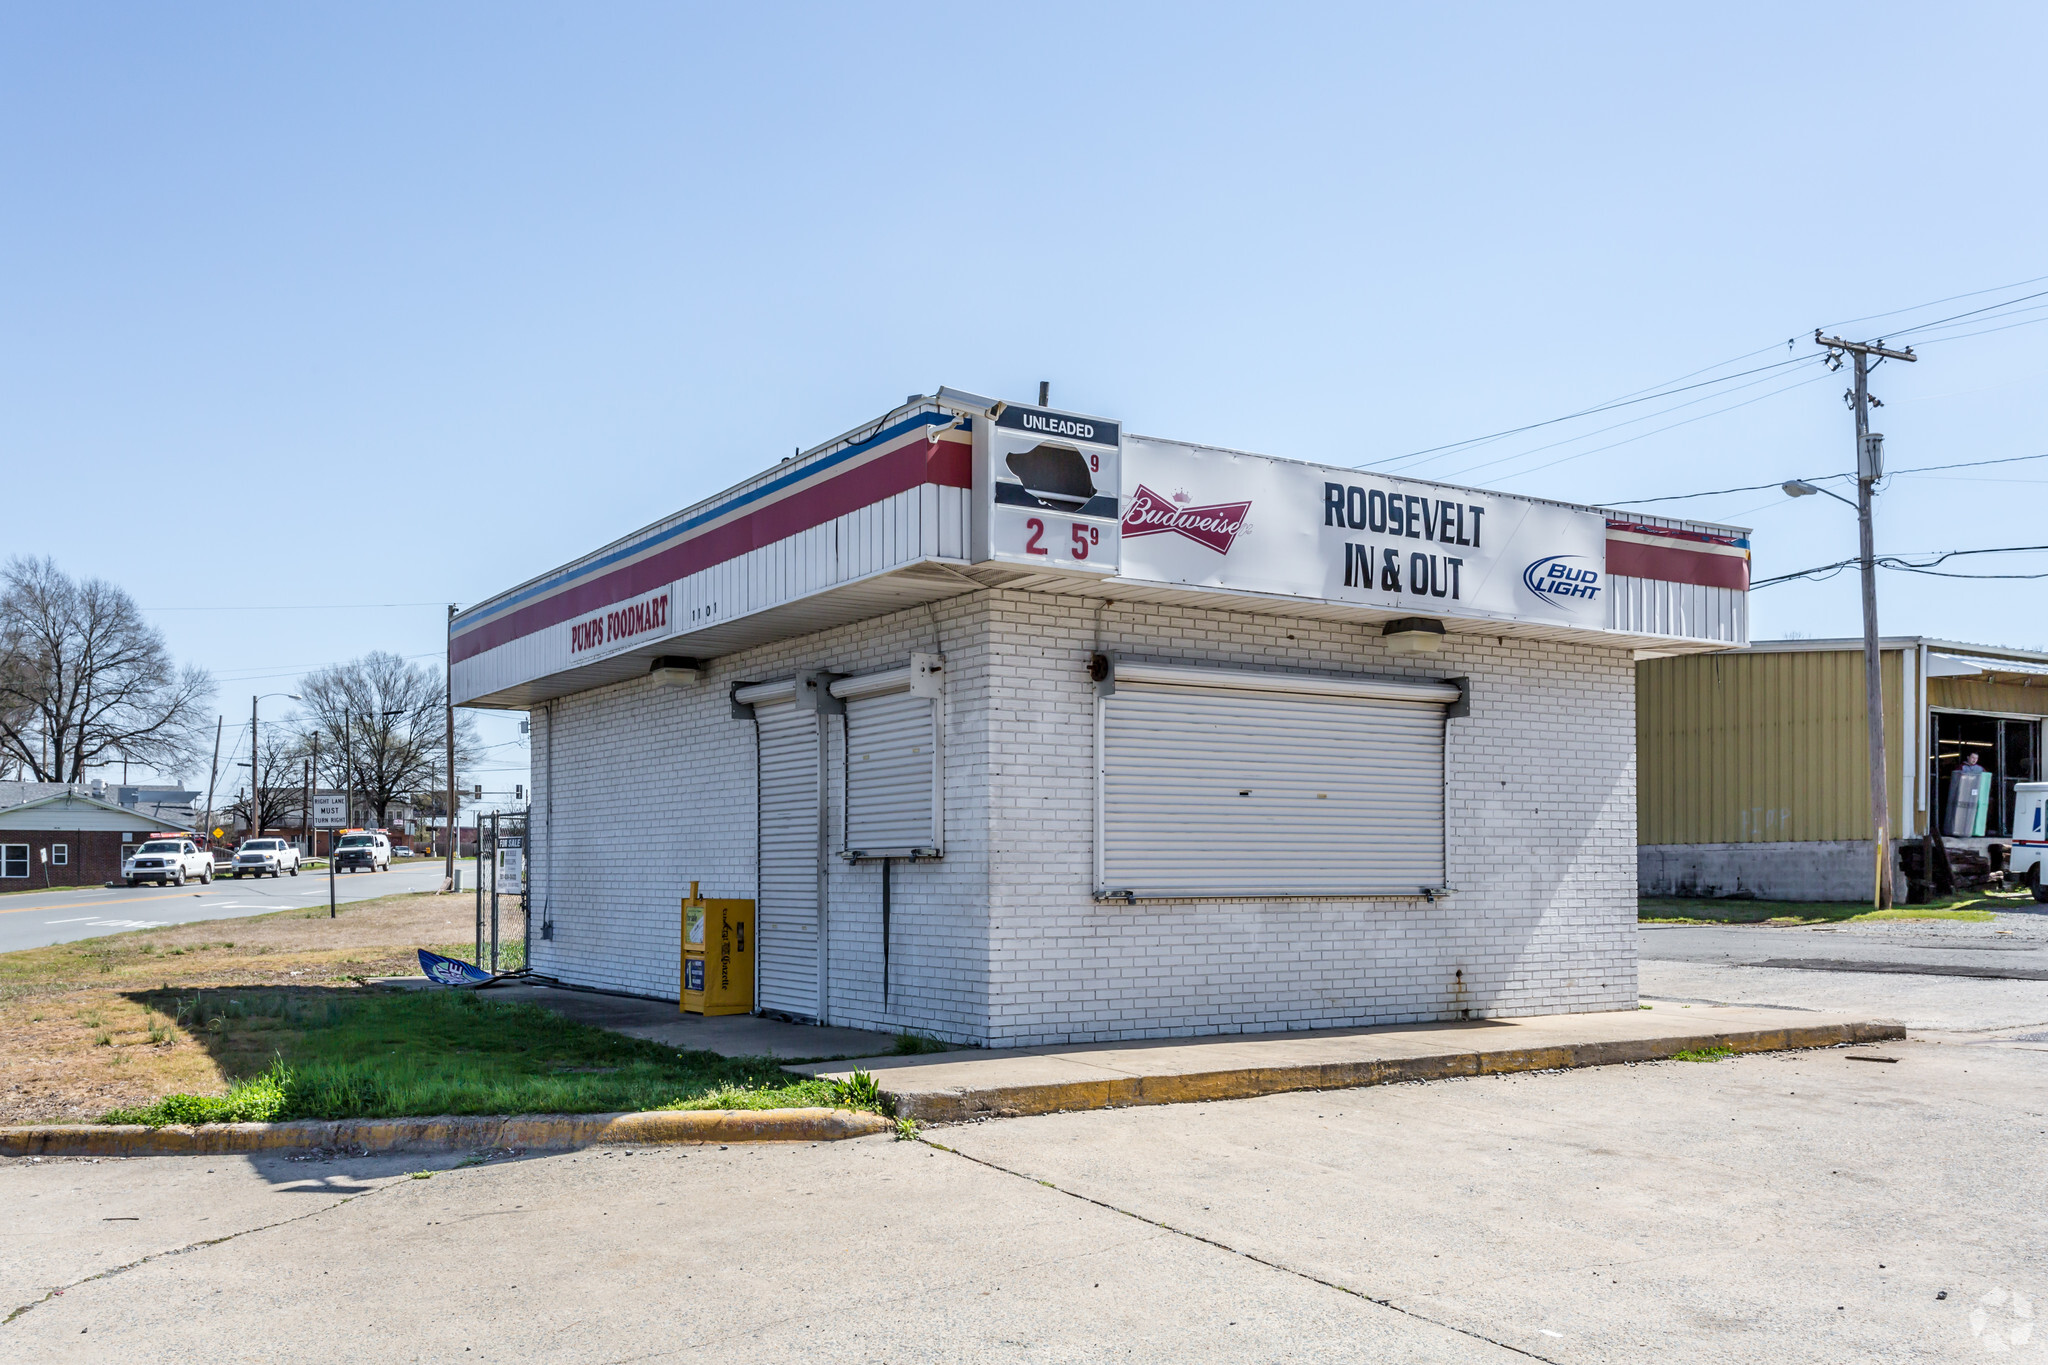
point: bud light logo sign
(1559, 579)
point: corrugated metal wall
(1758, 747)
(1976, 694)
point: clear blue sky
(403, 304)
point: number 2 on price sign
(1083, 537)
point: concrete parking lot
(1812, 1206)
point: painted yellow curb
(963, 1104)
(443, 1134)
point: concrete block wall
(1540, 813)
(1802, 870)
(641, 788)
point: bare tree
(280, 777)
(383, 728)
(83, 677)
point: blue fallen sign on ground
(451, 971)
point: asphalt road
(33, 919)
(1935, 976)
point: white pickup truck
(168, 860)
(2029, 865)
(259, 856)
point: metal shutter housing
(894, 776)
(786, 954)
(1217, 782)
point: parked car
(362, 851)
(168, 861)
(258, 856)
(401, 851)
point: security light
(672, 671)
(1798, 488)
(1413, 635)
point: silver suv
(258, 856)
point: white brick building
(1184, 781)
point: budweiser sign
(1215, 525)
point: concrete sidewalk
(957, 1086)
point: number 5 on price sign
(1084, 536)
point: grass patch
(915, 1044)
(1703, 1054)
(1975, 907)
(55, 1001)
(384, 1054)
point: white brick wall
(1540, 813)
(1001, 943)
(654, 787)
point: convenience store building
(1024, 729)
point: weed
(422, 1175)
(859, 1091)
(912, 1044)
(159, 1033)
(103, 1039)
(1703, 1054)
(906, 1129)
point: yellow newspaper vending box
(718, 955)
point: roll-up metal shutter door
(891, 775)
(787, 948)
(1215, 791)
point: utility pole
(313, 830)
(212, 776)
(448, 695)
(255, 778)
(1869, 469)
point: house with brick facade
(69, 839)
(1011, 727)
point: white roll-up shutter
(787, 918)
(1219, 790)
(894, 792)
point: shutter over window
(895, 794)
(1223, 783)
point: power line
(1642, 435)
(301, 606)
(1958, 317)
(1666, 389)
(1933, 303)
(1601, 431)
(1896, 562)
(1754, 487)
(1642, 397)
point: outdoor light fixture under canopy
(1413, 635)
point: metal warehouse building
(1755, 767)
(1023, 729)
